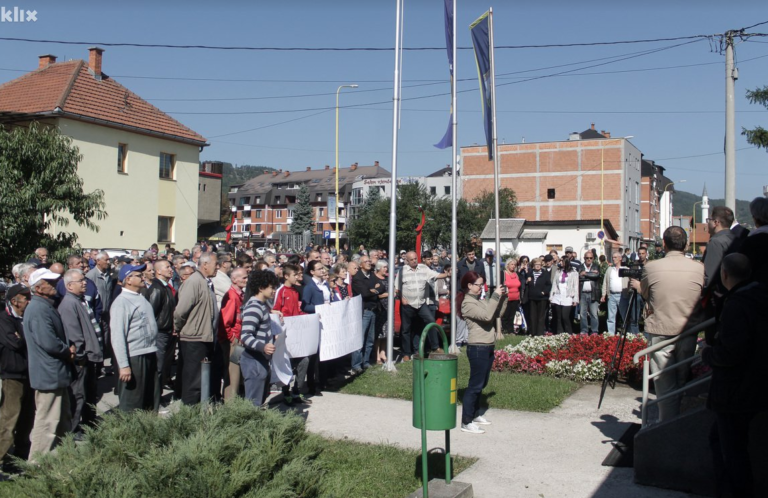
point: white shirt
(615, 280)
(324, 288)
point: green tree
(757, 136)
(39, 191)
(302, 213)
(371, 226)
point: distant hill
(236, 175)
(683, 206)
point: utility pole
(731, 75)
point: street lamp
(336, 203)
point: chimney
(286, 174)
(266, 172)
(353, 167)
(376, 163)
(309, 168)
(593, 126)
(274, 173)
(94, 61)
(602, 132)
(46, 60)
(607, 134)
(327, 167)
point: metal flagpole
(496, 272)
(390, 363)
(454, 190)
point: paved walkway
(522, 454)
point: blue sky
(660, 108)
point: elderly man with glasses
(590, 293)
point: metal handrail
(647, 368)
(693, 330)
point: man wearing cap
(84, 332)
(195, 320)
(489, 267)
(17, 411)
(134, 338)
(50, 363)
(571, 254)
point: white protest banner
(302, 335)
(281, 363)
(341, 328)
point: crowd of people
(154, 320)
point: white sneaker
(472, 428)
(481, 421)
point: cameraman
(672, 288)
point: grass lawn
(377, 471)
(533, 393)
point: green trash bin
(440, 385)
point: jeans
(634, 318)
(410, 338)
(613, 308)
(673, 379)
(256, 374)
(480, 363)
(362, 358)
(588, 308)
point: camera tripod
(612, 373)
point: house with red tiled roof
(146, 162)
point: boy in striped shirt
(256, 336)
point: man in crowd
(571, 255)
(365, 284)
(325, 259)
(17, 411)
(615, 291)
(230, 324)
(134, 336)
(470, 263)
(91, 295)
(738, 391)
(311, 256)
(720, 241)
(244, 261)
(672, 288)
(177, 261)
(413, 285)
(221, 281)
(84, 332)
(197, 251)
(589, 288)
(50, 363)
(195, 320)
(102, 278)
(162, 299)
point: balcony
(211, 169)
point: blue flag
(482, 42)
(447, 140)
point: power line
(698, 155)
(345, 49)
(269, 126)
(754, 25)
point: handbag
(235, 352)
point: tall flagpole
(454, 189)
(390, 363)
(496, 272)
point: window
(290, 213)
(164, 229)
(204, 187)
(319, 198)
(258, 214)
(277, 199)
(257, 227)
(122, 152)
(278, 228)
(320, 212)
(550, 193)
(278, 213)
(319, 227)
(432, 190)
(198, 187)
(447, 190)
(257, 200)
(243, 201)
(167, 166)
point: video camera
(635, 270)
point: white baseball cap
(42, 274)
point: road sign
(326, 234)
(601, 235)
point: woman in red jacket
(512, 282)
(230, 324)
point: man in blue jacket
(50, 360)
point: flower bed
(580, 357)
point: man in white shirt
(615, 289)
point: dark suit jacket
(462, 269)
(311, 296)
